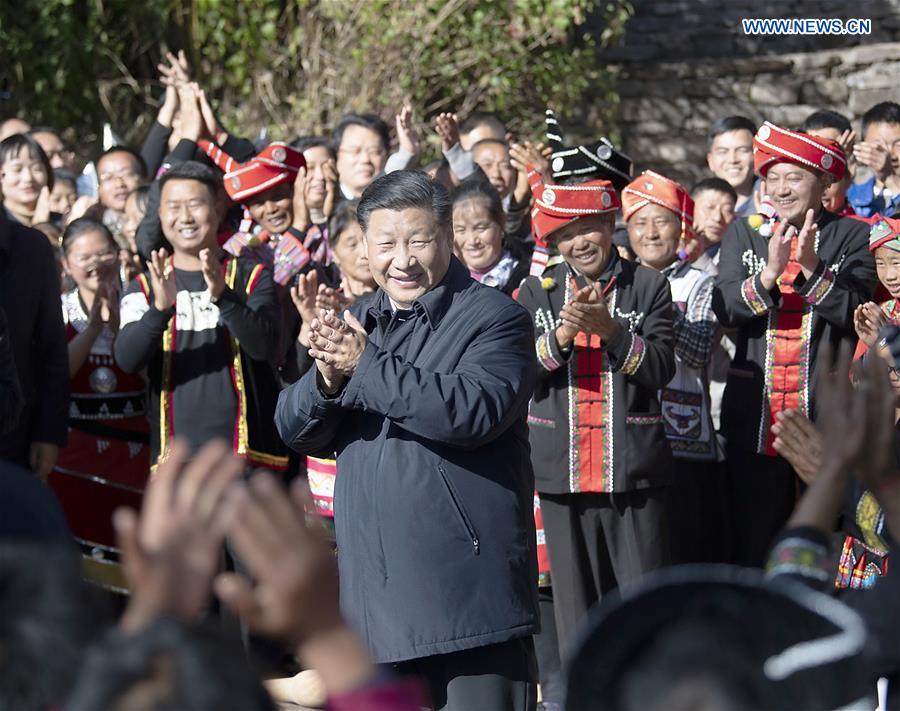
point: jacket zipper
(476, 544)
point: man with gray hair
(422, 392)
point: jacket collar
(434, 304)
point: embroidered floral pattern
(635, 355)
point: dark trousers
(498, 677)
(596, 542)
(698, 513)
(546, 647)
(762, 492)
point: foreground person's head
(406, 219)
(167, 666)
(187, 207)
(709, 637)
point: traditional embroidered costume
(208, 364)
(598, 443)
(107, 460)
(696, 497)
(779, 335)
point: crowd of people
(523, 427)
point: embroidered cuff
(548, 352)
(818, 286)
(635, 355)
(801, 552)
(755, 296)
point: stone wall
(685, 63)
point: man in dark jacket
(422, 391)
(29, 293)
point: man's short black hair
(717, 184)
(825, 118)
(729, 123)
(306, 142)
(168, 665)
(142, 166)
(193, 170)
(11, 146)
(483, 118)
(404, 189)
(885, 112)
(369, 121)
(64, 175)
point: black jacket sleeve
(307, 419)
(253, 322)
(647, 358)
(10, 390)
(51, 355)
(550, 357)
(466, 408)
(154, 147)
(142, 329)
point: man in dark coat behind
(422, 392)
(29, 294)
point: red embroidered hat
(555, 206)
(773, 144)
(650, 187)
(885, 232)
(274, 165)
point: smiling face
(361, 156)
(713, 212)
(91, 259)
(887, 266)
(731, 158)
(477, 237)
(408, 253)
(316, 158)
(273, 209)
(654, 233)
(586, 243)
(187, 213)
(351, 256)
(493, 159)
(22, 177)
(62, 196)
(118, 173)
(794, 189)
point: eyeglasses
(125, 176)
(357, 152)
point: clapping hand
(798, 441)
(589, 313)
(868, 320)
(876, 156)
(172, 551)
(337, 347)
(779, 254)
(806, 244)
(162, 280)
(213, 274)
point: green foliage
(296, 65)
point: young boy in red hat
(789, 280)
(605, 346)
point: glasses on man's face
(360, 151)
(894, 372)
(125, 176)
